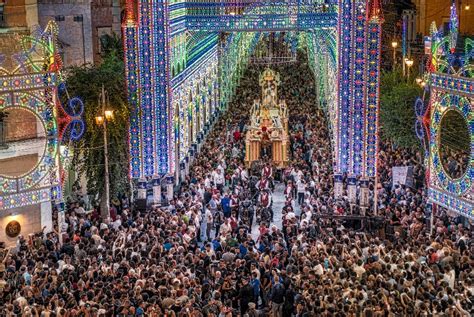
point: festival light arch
(36, 85)
(214, 40)
(450, 83)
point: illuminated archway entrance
(208, 43)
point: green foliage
(111, 45)
(397, 113)
(86, 82)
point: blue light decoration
(69, 116)
(147, 97)
(130, 37)
(358, 84)
(344, 86)
(161, 37)
(450, 79)
(373, 51)
(404, 35)
(453, 27)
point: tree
(397, 113)
(86, 82)
(111, 45)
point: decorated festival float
(36, 130)
(446, 120)
(267, 136)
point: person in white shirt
(301, 189)
(207, 181)
(225, 228)
(289, 190)
(244, 175)
(290, 215)
(209, 223)
(219, 179)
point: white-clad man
(209, 223)
(219, 179)
(244, 175)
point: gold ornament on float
(267, 136)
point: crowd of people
(197, 257)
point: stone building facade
(439, 11)
(81, 24)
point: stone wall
(21, 124)
(102, 21)
(32, 219)
(80, 39)
(75, 28)
(15, 13)
(18, 165)
(29, 218)
(439, 11)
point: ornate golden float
(267, 135)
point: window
(2, 16)
(78, 18)
(59, 18)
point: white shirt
(219, 178)
(301, 187)
(244, 175)
(209, 217)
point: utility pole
(102, 120)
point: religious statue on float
(267, 136)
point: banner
(352, 189)
(402, 175)
(338, 186)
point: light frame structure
(33, 85)
(450, 81)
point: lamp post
(409, 63)
(101, 120)
(394, 46)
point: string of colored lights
(371, 139)
(358, 83)
(344, 86)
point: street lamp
(101, 120)
(394, 46)
(409, 63)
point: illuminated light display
(373, 49)
(131, 71)
(184, 62)
(358, 84)
(451, 83)
(33, 86)
(342, 127)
